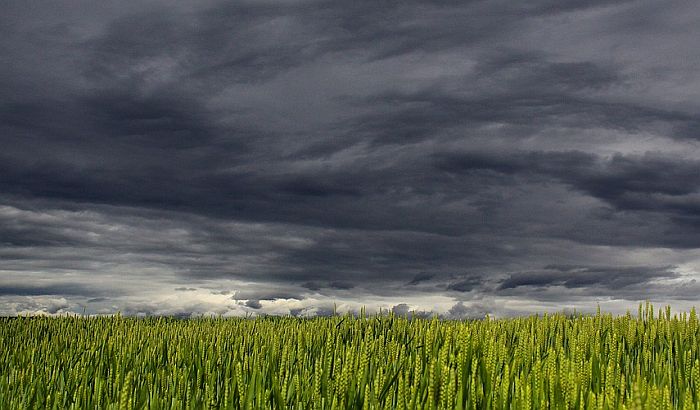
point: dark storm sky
(279, 157)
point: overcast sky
(262, 157)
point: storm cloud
(305, 157)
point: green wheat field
(647, 361)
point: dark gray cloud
(253, 304)
(610, 278)
(421, 277)
(582, 283)
(660, 185)
(185, 159)
(61, 289)
(465, 285)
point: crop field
(651, 360)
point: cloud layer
(297, 157)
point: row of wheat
(551, 361)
